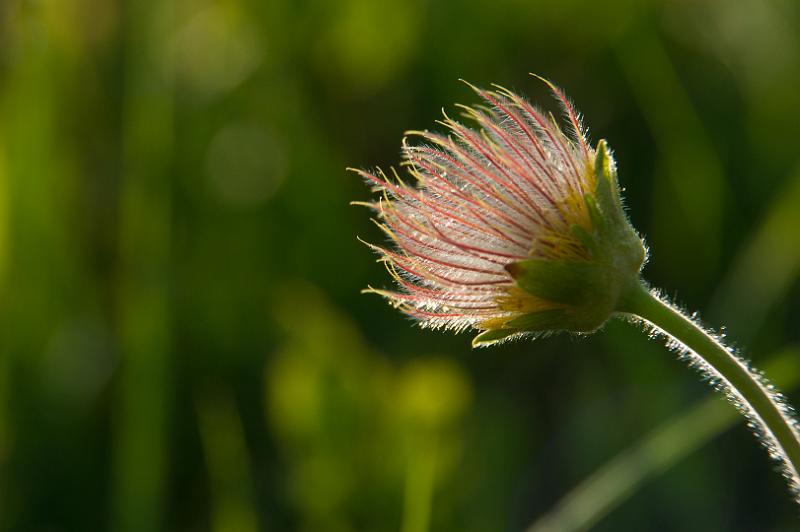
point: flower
(515, 227)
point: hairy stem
(764, 408)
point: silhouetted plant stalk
(517, 229)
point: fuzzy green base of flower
(581, 295)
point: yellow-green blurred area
(183, 345)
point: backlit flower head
(512, 227)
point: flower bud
(513, 228)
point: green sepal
(545, 320)
(607, 196)
(602, 160)
(492, 336)
(603, 165)
(616, 242)
(595, 213)
(586, 238)
(567, 282)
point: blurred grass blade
(147, 131)
(420, 481)
(609, 486)
(228, 463)
(4, 363)
(39, 266)
(4, 439)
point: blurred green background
(183, 345)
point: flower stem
(746, 388)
